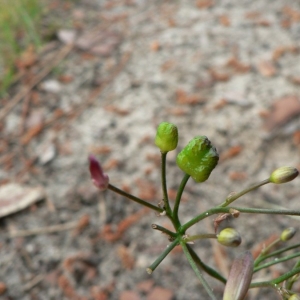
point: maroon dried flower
(100, 180)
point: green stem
(135, 199)
(264, 252)
(286, 276)
(263, 284)
(233, 197)
(275, 253)
(292, 280)
(178, 197)
(277, 261)
(168, 249)
(164, 184)
(210, 271)
(164, 230)
(217, 210)
(200, 237)
(197, 272)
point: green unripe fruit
(198, 158)
(166, 137)
(283, 175)
(229, 237)
(287, 234)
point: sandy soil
(213, 68)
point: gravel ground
(213, 68)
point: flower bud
(239, 278)
(198, 158)
(294, 297)
(166, 137)
(229, 237)
(283, 175)
(287, 234)
(100, 180)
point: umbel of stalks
(239, 278)
(198, 158)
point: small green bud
(198, 158)
(239, 278)
(287, 234)
(229, 237)
(283, 175)
(294, 297)
(166, 137)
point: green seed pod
(198, 158)
(283, 175)
(166, 137)
(229, 237)
(239, 278)
(294, 297)
(287, 234)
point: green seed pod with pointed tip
(294, 297)
(287, 234)
(283, 175)
(229, 237)
(166, 137)
(198, 158)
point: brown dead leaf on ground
(292, 14)
(182, 97)
(126, 257)
(98, 294)
(111, 164)
(266, 68)
(147, 190)
(237, 176)
(219, 75)
(220, 104)
(155, 46)
(295, 79)
(282, 111)
(167, 65)
(145, 286)
(100, 149)
(203, 4)
(31, 133)
(15, 197)
(296, 138)
(224, 20)
(280, 51)
(237, 65)
(177, 111)
(3, 288)
(159, 293)
(231, 152)
(119, 111)
(111, 236)
(27, 59)
(129, 295)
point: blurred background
(82, 77)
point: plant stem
(286, 276)
(200, 237)
(135, 199)
(164, 184)
(168, 249)
(178, 197)
(291, 280)
(197, 272)
(164, 230)
(278, 252)
(210, 271)
(233, 197)
(277, 261)
(264, 252)
(217, 210)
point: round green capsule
(166, 137)
(287, 234)
(198, 158)
(229, 237)
(294, 297)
